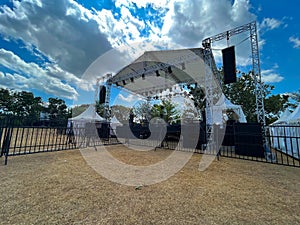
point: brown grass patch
(60, 188)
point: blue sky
(46, 46)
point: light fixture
(143, 76)
(124, 82)
(132, 79)
(157, 73)
(170, 69)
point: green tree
(167, 110)
(100, 109)
(120, 112)
(274, 104)
(6, 101)
(198, 97)
(58, 112)
(243, 93)
(25, 104)
(143, 111)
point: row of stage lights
(168, 71)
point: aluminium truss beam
(256, 72)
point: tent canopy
(89, 115)
(114, 122)
(295, 116)
(224, 104)
(283, 118)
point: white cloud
(62, 30)
(189, 22)
(270, 24)
(31, 76)
(295, 41)
(269, 76)
(72, 37)
(129, 99)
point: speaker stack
(229, 65)
(102, 94)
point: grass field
(60, 188)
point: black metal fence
(241, 141)
(28, 140)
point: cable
(218, 49)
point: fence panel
(283, 142)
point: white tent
(285, 135)
(222, 106)
(114, 122)
(88, 116)
(283, 118)
(294, 118)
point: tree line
(240, 93)
(31, 109)
(27, 109)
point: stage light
(132, 79)
(170, 69)
(124, 82)
(183, 66)
(143, 76)
(157, 73)
(117, 84)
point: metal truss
(256, 72)
(209, 93)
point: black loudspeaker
(229, 134)
(248, 139)
(102, 94)
(229, 66)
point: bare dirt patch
(60, 188)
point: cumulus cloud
(64, 31)
(189, 22)
(32, 76)
(73, 37)
(270, 76)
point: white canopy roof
(283, 118)
(295, 116)
(89, 115)
(224, 104)
(114, 122)
(155, 71)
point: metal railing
(283, 146)
(28, 140)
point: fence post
(6, 143)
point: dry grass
(60, 188)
